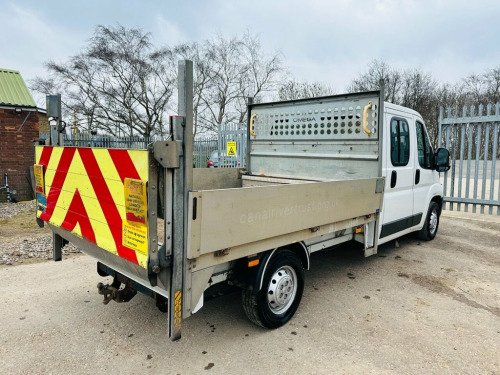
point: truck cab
(413, 193)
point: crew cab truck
(320, 172)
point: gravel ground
(9, 210)
(21, 240)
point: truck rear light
(210, 163)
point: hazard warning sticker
(231, 148)
(136, 206)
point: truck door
(425, 177)
(399, 172)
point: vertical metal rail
(153, 258)
(53, 106)
(178, 245)
(453, 159)
(447, 146)
(494, 159)
(460, 169)
(440, 127)
(469, 158)
(182, 127)
(485, 159)
(248, 150)
(479, 131)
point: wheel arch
(439, 200)
(299, 248)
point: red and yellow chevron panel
(84, 193)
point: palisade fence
(202, 149)
(473, 141)
(230, 136)
(105, 141)
(203, 146)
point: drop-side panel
(222, 219)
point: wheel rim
(433, 222)
(282, 289)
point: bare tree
(292, 90)
(263, 73)
(492, 81)
(379, 70)
(481, 88)
(119, 82)
(474, 89)
(227, 71)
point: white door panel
(426, 176)
(399, 170)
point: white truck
(319, 172)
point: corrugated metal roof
(13, 90)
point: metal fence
(232, 141)
(473, 141)
(203, 147)
(87, 140)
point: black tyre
(430, 228)
(282, 288)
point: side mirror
(442, 160)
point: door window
(425, 152)
(400, 142)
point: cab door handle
(417, 176)
(394, 178)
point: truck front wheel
(430, 228)
(282, 288)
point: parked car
(227, 161)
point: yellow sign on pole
(231, 148)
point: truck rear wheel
(282, 288)
(430, 228)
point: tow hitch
(113, 292)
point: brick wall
(17, 153)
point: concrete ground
(415, 308)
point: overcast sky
(325, 41)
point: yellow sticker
(136, 205)
(135, 236)
(39, 185)
(177, 310)
(231, 149)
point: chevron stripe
(85, 193)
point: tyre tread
(249, 303)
